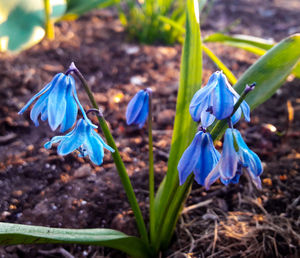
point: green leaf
(258, 46)
(22, 22)
(296, 70)
(207, 51)
(269, 72)
(220, 64)
(252, 44)
(75, 8)
(202, 4)
(184, 127)
(171, 22)
(13, 234)
(174, 211)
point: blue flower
(235, 156)
(58, 103)
(82, 138)
(200, 157)
(216, 100)
(138, 108)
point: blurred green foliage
(22, 22)
(144, 19)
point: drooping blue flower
(216, 100)
(138, 108)
(58, 103)
(82, 138)
(235, 156)
(200, 158)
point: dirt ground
(39, 187)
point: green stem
(117, 159)
(221, 124)
(220, 64)
(151, 170)
(172, 211)
(49, 27)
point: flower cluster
(58, 103)
(216, 101)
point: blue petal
(201, 94)
(72, 82)
(39, 107)
(189, 158)
(223, 100)
(256, 181)
(236, 116)
(142, 117)
(249, 157)
(244, 106)
(206, 117)
(74, 140)
(213, 176)
(135, 106)
(94, 149)
(57, 139)
(71, 111)
(229, 158)
(57, 102)
(234, 180)
(246, 110)
(102, 141)
(54, 140)
(44, 115)
(197, 110)
(207, 160)
(42, 91)
(254, 164)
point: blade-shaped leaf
(184, 127)
(220, 64)
(22, 22)
(252, 44)
(13, 234)
(174, 211)
(269, 72)
(76, 8)
(171, 22)
(296, 70)
(207, 51)
(258, 46)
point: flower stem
(117, 159)
(49, 27)
(221, 124)
(151, 170)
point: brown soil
(39, 187)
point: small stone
(131, 50)
(138, 80)
(83, 171)
(5, 214)
(17, 193)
